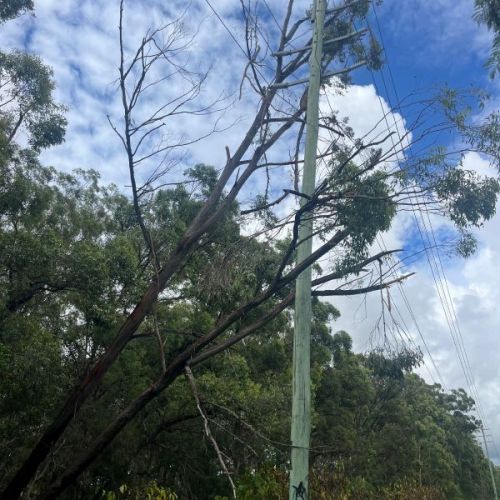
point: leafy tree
(371, 416)
(28, 101)
(68, 270)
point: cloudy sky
(429, 43)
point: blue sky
(428, 42)
(432, 43)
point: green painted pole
(301, 403)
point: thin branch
(190, 377)
(359, 291)
(286, 192)
(160, 344)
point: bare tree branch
(208, 432)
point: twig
(190, 377)
(160, 344)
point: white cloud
(79, 40)
(474, 162)
(365, 111)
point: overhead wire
(444, 293)
(423, 234)
(389, 128)
(438, 271)
(226, 27)
(441, 285)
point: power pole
(301, 403)
(493, 482)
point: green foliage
(356, 199)
(379, 432)
(30, 101)
(74, 261)
(467, 244)
(267, 482)
(9, 9)
(484, 137)
(469, 199)
(355, 49)
(488, 12)
(66, 275)
(149, 492)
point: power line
(414, 319)
(447, 303)
(432, 251)
(435, 264)
(272, 14)
(226, 27)
(437, 270)
(434, 269)
(400, 287)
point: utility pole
(301, 403)
(493, 482)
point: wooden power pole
(301, 403)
